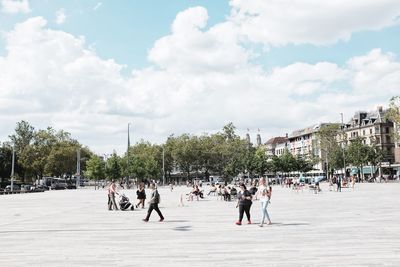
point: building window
(387, 130)
(370, 131)
(387, 139)
(363, 132)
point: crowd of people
(258, 191)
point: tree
(261, 161)
(113, 167)
(21, 139)
(327, 140)
(145, 161)
(393, 114)
(358, 154)
(374, 156)
(95, 169)
(34, 156)
(5, 161)
(185, 153)
(304, 164)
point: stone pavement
(74, 228)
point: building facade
(374, 130)
(276, 146)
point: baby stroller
(124, 203)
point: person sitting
(212, 190)
(195, 192)
(226, 193)
(220, 191)
(233, 192)
(198, 192)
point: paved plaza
(74, 228)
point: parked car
(57, 186)
(15, 188)
(41, 187)
(71, 186)
(27, 187)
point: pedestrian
(264, 194)
(244, 204)
(154, 201)
(141, 195)
(339, 184)
(112, 191)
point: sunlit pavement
(74, 228)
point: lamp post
(78, 167)
(163, 164)
(344, 157)
(12, 168)
(127, 157)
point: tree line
(47, 152)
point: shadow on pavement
(290, 224)
(182, 228)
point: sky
(192, 66)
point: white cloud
(15, 6)
(60, 16)
(201, 78)
(190, 49)
(277, 23)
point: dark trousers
(154, 206)
(242, 209)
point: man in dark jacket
(154, 201)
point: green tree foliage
(328, 143)
(375, 156)
(114, 167)
(5, 161)
(358, 153)
(145, 161)
(95, 168)
(393, 114)
(261, 161)
(45, 152)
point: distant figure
(339, 184)
(181, 201)
(264, 193)
(244, 204)
(112, 191)
(171, 187)
(154, 201)
(212, 190)
(141, 195)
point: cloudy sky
(191, 66)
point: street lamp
(163, 164)
(127, 157)
(12, 168)
(78, 167)
(344, 157)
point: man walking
(154, 201)
(339, 184)
(112, 190)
